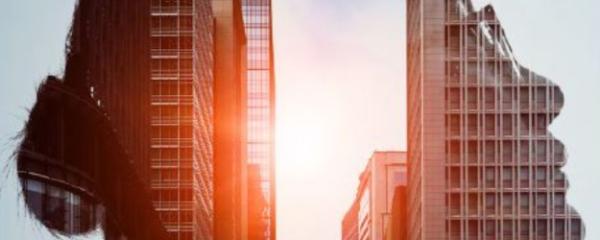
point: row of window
(172, 195)
(510, 229)
(492, 177)
(171, 111)
(172, 43)
(490, 72)
(182, 131)
(171, 64)
(536, 98)
(498, 124)
(506, 151)
(172, 3)
(172, 175)
(172, 22)
(455, 11)
(172, 88)
(176, 216)
(171, 153)
(506, 203)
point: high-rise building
(181, 158)
(482, 163)
(230, 165)
(83, 161)
(261, 103)
(385, 171)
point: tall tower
(182, 116)
(230, 171)
(482, 163)
(261, 107)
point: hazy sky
(340, 82)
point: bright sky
(340, 82)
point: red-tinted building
(372, 206)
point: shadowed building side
(110, 40)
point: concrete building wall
(483, 164)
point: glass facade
(501, 165)
(181, 118)
(261, 104)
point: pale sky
(340, 95)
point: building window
(507, 203)
(472, 151)
(524, 203)
(454, 124)
(508, 229)
(524, 151)
(490, 151)
(455, 177)
(490, 203)
(540, 125)
(542, 228)
(454, 151)
(541, 203)
(524, 124)
(490, 177)
(507, 98)
(540, 97)
(507, 151)
(490, 228)
(559, 227)
(524, 97)
(559, 203)
(540, 174)
(454, 72)
(524, 231)
(507, 177)
(507, 125)
(540, 151)
(454, 98)
(524, 176)
(490, 98)
(473, 176)
(455, 204)
(472, 72)
(472, 98)
(453, 40)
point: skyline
(331, 81)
